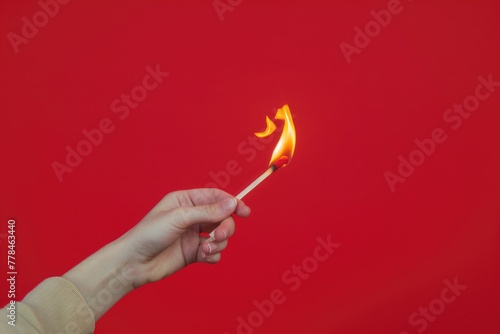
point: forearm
(104, 277)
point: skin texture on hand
(166, 240)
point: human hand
(168, 237)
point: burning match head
(281, 162)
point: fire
(269, 130)
(286, 144)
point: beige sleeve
(55, 306)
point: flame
(286, 144)
(269, 129)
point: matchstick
(257, 181)
(274, 167)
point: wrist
(104, 277)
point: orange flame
(286, 144)
(269, 129)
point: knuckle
(211, 210)
(169, 196)
(213, 191)
(183, 214)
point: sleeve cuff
(61, 307)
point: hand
(168, 237)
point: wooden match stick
(274, 167)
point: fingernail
(209, 248)
(203, 255)
(225, 234)
(230, 204)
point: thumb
(184, 217)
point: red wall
(361, 104)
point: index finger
(196, 197)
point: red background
(353, 121)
